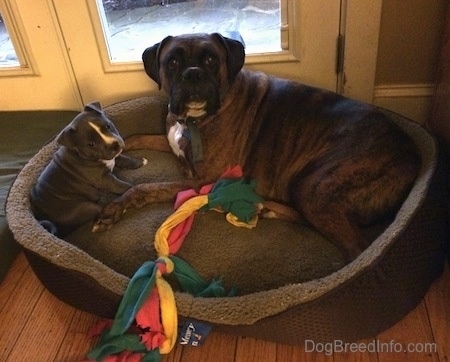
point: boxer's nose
(193, 74)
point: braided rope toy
(146, 323)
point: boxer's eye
(209, 60)
(91, 144)
(172, 63)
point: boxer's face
(194, 70)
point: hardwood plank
(47, 324)
(74, 350)
(16, 313)
(408, 339)
(174, 355)
(360, 351)
(217, 347)
(13, 276)
(77, 342)
(326, 352)
(250, 349)
(437, 301)
(287, 353)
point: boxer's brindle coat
(339, 163)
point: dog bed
(292, 284)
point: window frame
(289, 53)
(16, 31)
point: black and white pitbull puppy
(67, 193)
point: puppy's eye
(107, 126)
(91, 144)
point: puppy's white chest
(109, 163)
(174, 135)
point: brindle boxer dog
(340, 164)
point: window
(65, 47)
(8, 56)
(131, 24)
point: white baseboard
(411, 100)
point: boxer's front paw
(264, 212)
(109, 215)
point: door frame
(37, 83)
(360, 25)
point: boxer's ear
(150, 57)
(93, 106)
(235, 53)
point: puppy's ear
(65, 138)
(93, 106)
(235, 49)
(150, 57)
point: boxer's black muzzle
(194, 75)
(195, 94)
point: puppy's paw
(109, 215)
(138, 162)
(128, 162)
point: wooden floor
(37, 327)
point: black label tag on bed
(194, 333)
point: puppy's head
(92, 135)
(195, 70)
